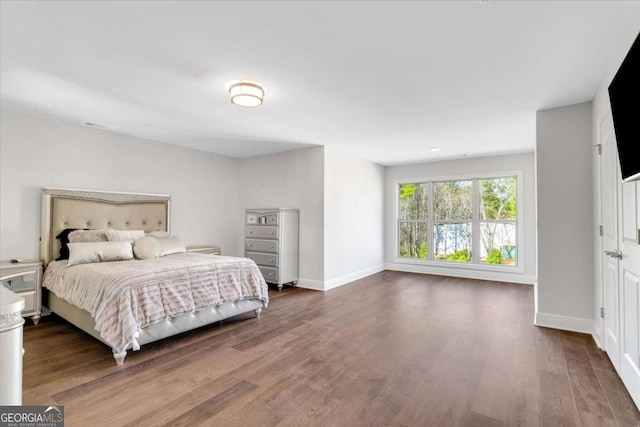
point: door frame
(611, 317)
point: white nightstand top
(26, 263)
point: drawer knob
(251, 245)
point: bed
(189, 290)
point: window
(470, 221)
(453, 215)
(413, 220)
(497, 207)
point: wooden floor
(391, 349)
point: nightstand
(24, 278)
(210, 250)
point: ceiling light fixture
(434, 149)
(246, 93)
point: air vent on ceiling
(95, 125)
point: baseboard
(347, 278)
(497, 276)
(316, 285)
(597, 334)
(565, 323)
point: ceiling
(384, 80)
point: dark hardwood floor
(392, 349)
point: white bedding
(125, 296)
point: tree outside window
(413, 203)
(437, 221)
(497, 200)
(453, 212)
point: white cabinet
(271, 241)
(24, 279)
(11, 322)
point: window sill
(462, 266)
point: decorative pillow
(64, 241)
(88, 252)
(171, 245)
(88, 236)
(146, 248)
(119, 235)
(157, 234)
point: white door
(629, 230)
(609, 182)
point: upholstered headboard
(68, 208)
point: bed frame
(70, 208)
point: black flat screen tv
(624, 95)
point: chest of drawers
(271, 241)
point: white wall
(466, 167)
(209, 192)
(353, 217)
(294, 179)
(36, 153)
(565, 218)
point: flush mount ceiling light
(245, 93)
(434, 149)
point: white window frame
(474, 264)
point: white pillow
(88, 252)
(119, 235)
(171, 245)
(146, 248)
(157, 234)
(77, 236)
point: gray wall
(293, 179)
(340, 202)
(354, 217)
(565, 220)
(209, 192)
(344, 201)
(36, 153)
